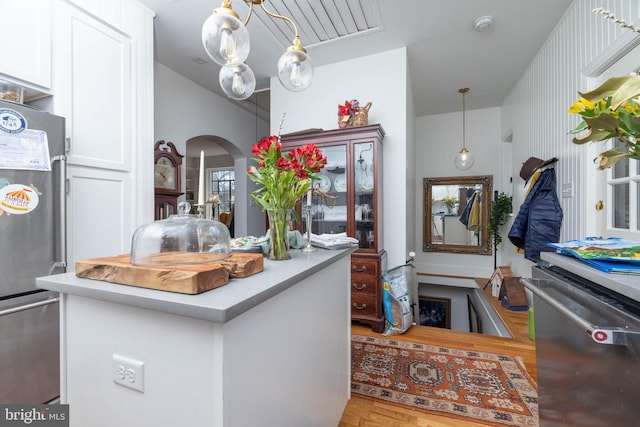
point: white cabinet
(94, 77)
(217, 359)
(103, 86)
(26, 48)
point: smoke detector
(483, 23)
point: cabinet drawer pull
(359, 307)
(360, 286)
(359, 269)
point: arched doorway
(221, 186)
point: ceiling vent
(318, 21)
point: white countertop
(217, 305)
(627, 285)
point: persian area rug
(488, 388)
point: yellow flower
(626, 106)
(631, 107)
(581, 105)
(602, 104)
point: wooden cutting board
(186, 279)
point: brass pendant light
(464, 160)
(226, 41)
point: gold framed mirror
(456, 213)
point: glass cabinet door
(329, 205)
(364, 194)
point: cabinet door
(99, 220)
(95, 73)
(365, 200)
(329, 207)
(26, 33)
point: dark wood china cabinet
(350, 201)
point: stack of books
(611, 255)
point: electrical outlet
(128, 372)
(567, 190)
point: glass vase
(279, 234)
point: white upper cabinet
(94, 80)
(26, 41)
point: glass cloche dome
(181, 239)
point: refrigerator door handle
(600, 334)
(62, 263)
(29, 306)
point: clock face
(165, 174)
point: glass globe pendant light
(225, 37)
(237, 81)
(295, 70)
(464, 160)
(226, 41)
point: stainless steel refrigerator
(32, 244)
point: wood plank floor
(363, 412)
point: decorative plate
(340, 183)
(324, 184)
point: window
(223, 183)
(623, 195)
(618, 187)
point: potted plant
(449, 202)
(500, 210)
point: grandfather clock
(166, 179)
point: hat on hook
(533, 163)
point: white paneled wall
(582, 46)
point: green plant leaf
(629, 89)
(606, 89)
(630, 122)
(581, 128)
(608, 158)
(593, 136)
(602, 122)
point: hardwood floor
(363, 412)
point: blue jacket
(539, 219)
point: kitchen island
(269, 349)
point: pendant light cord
(463, 91)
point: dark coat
(539, 219)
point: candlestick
(308, 248)
(201, 188)
(309, 197)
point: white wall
(386, 88)
(582, 46)
(438, 140)
(184, 110)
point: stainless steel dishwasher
(587, 347)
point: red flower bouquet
(284, 178)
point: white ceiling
(445, 52)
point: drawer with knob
(365, 286)
(366, 306)
(365, 267)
